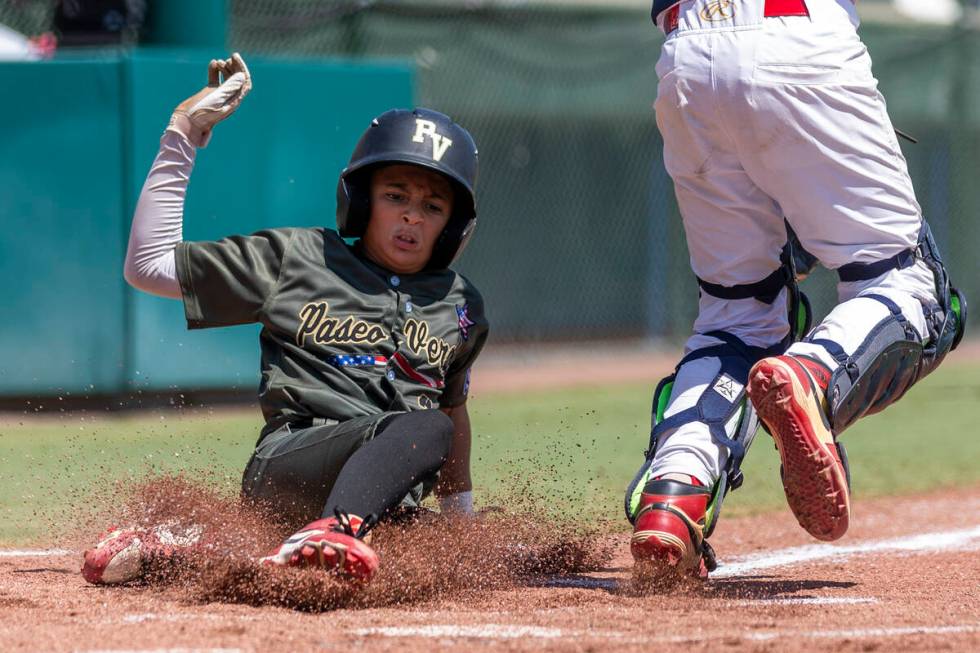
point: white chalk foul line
(810, 600)
(152, 616)
(786, 557)
(514, 631)
(582, 582)
(482, 631)
(191, 616)
(924, 543)
(161, 650)
(865, 633)
(32, 553)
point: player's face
(410, 207)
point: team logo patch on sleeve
(463, 318)
(728, 387)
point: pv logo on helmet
(440, 143)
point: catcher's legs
(868, 352)
(737, 241)
(702, 427)
(834, 165)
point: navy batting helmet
(424, 138)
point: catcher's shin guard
(723, 407)
(668, 532)
(789, 393)
(333, 543)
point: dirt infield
(905, 578)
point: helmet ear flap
(454, 237)
(353, 203)
(451, 242)
(464, 238)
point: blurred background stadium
(579, 241)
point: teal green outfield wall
(61, 208)
(72, 161)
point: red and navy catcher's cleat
(668, 532)
(789, 394)
(333, 543)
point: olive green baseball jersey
(342, 337)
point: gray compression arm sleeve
(159, 218)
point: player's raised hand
(228, 82)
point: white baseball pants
(772, 118)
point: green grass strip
(575, 450)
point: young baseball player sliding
(769, 110)
(366, 348)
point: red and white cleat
(124, 554)
(789, 394)
(332, 543)
(668, 532)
